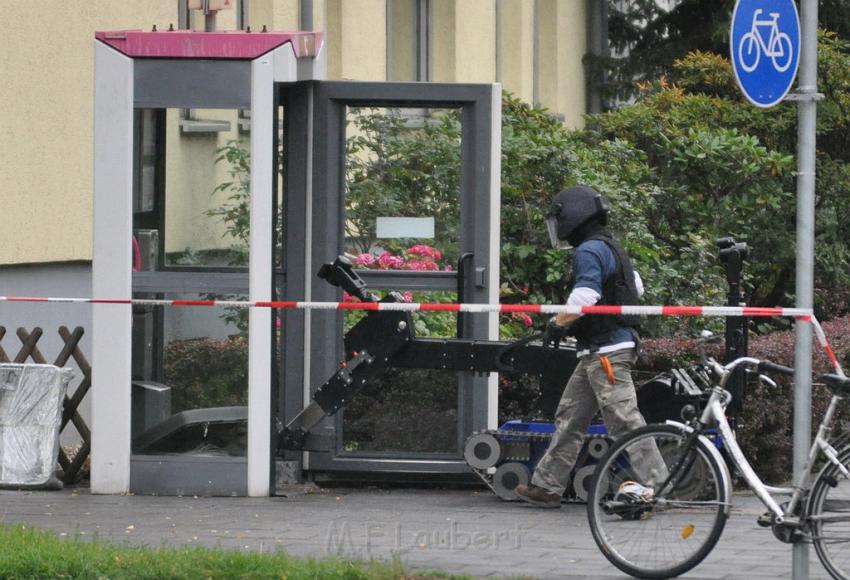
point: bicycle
(660, 497)
(777, 47)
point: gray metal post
(805, 254)
(306, 10)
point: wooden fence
(29, 350)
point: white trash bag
(31, 397)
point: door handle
(465, 270)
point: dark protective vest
(591, 331)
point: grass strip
(28, 553)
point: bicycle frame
(773, 23)
(714, 413)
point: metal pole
(306, 15)
(805, 254)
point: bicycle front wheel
(649, 531)
(749, 52)
(829, 516)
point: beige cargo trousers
(588, 390)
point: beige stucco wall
(356, 39)
(274, 15)
(403, 41)
(443, 38)
(46, 57)
(475, 41)
(464, 41)
(563, 43)
(46, 122)
(517, 48)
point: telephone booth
(227, 168)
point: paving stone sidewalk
(463, 531)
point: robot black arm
(385, 339)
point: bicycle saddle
(837, 384)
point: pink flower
(364, 260)
(448, 268)
(526, 319)
(389, 262)
(421, 250)
(346, 297)
(408, 296)
(277, 323)
(421, 266)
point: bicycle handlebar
(725, 371)
(769, 366)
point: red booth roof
(236, 44)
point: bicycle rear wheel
(668, 532)
(829, 515)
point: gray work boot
(538, 496)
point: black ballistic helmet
(572, 209)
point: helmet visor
(552, 228)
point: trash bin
(31, 397)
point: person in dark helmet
(606, 345)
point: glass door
(405, 183)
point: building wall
(475, 41)
(355, 39)
(274, 15)
(562, 26)
(517, 48)
(403, 31)
(46, 117)
(46, 122)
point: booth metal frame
(261, 72)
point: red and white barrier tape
(800, 313)
(824, 342)
(803, 314)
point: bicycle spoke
(688, 503)
(829, 515)
(657, 536)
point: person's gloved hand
(553, 334)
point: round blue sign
(765, 48)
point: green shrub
(765, 429)
(718, 166)
(205, 372)
(406, 410)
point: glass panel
(199, 407)
(280, 200)
(144, 197)
(408, 410)
(403, 213)
(403, 187)
(207, 170)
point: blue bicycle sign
(778, 47)
(765, 48)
